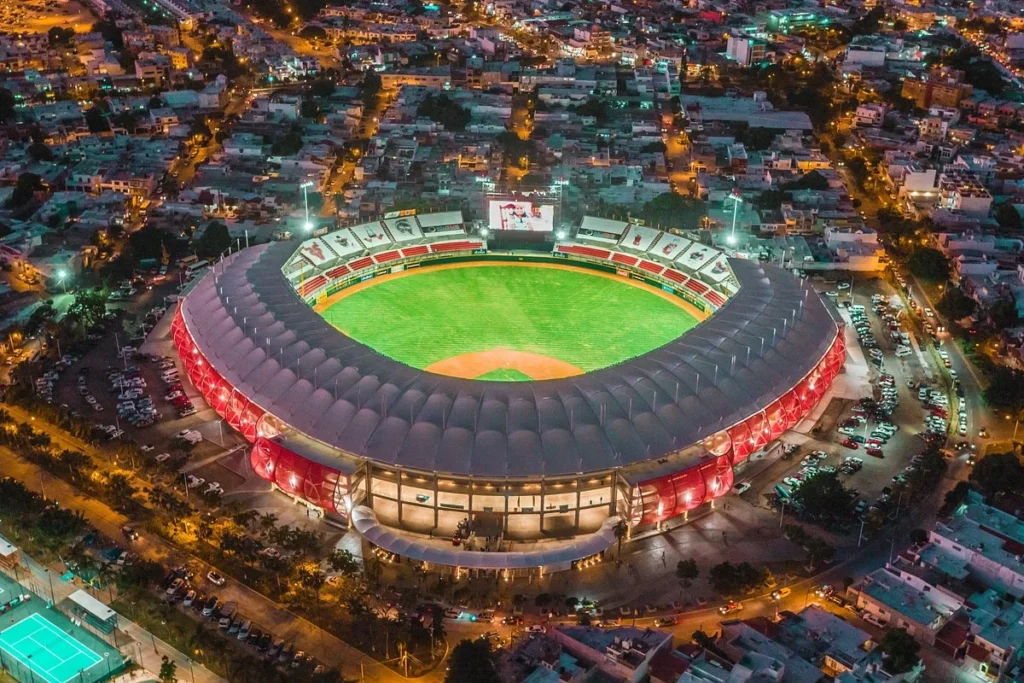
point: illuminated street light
(62, 275)
(737, 200)
(307, 226)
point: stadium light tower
(307, 226)
(737, 200)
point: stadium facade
(399, 452)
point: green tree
(343, 562)
(7, 102)
(214, 241)
(687, 571)
(808, 181)
(370, 89)
(621, 531)
(998, 473)
(40, 152)
(472, 662)
(823, 498)
(168, 670)
(288, 144)
(595, 107)
(120, 489)
(97, 121)
(24, 190)
(733, 579)
(1003, 313)
(1003, 390)
(671, 210)
(443, 110)
(900, 651)
(955, 305)
(310, 109)
(929, 264)
(1008, 217)
(111, 33)
(954, 498)
(87, 309)
(322, 88)
(74, 461)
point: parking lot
(199, 596)
(874, 442)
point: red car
(851, 444)
(875, 452)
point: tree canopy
(595, 107)
(929, 264)
(733, 579)
(444, 110)
(900, 650)
(808, 181)
(1003, 390)
(1008, 217)
(998, 473)
(472, 661)
(671, 210)
(26, 187)
(823, 498)
(7, 102)
(955, 305)
(214, 240)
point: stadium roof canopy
(257, 333)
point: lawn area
(581, 317)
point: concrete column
(579, 484)
(369, 486)
(543, 490)
(401, 475)
(437, 503)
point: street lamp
(737, 200)
(307, 226)
(62, 275)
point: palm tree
(621, 530)
(268, 521)
(246, 518)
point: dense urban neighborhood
(511, 341)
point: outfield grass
(576, 316)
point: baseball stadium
(421, 380)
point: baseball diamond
(470, 320)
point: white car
(843, 285)
(875, 620)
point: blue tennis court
(48, 652)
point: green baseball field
(508, 322)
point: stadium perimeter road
(327, 648)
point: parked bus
(186, 261)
